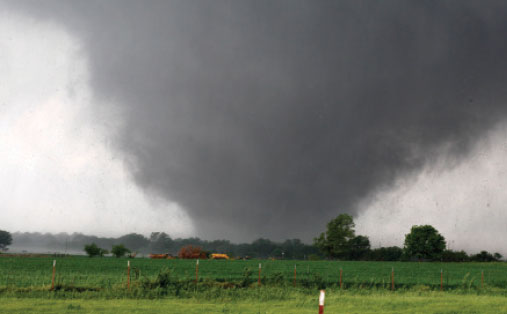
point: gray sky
(240, 119)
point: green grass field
(107, 272)
(338, 303)
(98, 285)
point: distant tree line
(423, 243)
(339, 241)
(160, 242)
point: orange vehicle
(219, 256)
(192, 252)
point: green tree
(5, 240)
(294, 249)
(424, 242)
(93, 250)
(484, 256)
(135, 241)
(498, 256)
(358, 248)
(119, 250)
(263, 247)
(161, 242)
(454, 256)
(335, 241)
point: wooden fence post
(259, 280)
(441, 280)
(128, 275)
(482, 279)
(341, 277)
(196, 271)
(294, 275)
(392, 279)
(53, 276)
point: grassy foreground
(432, 302)
(105, 273)
(85, 285)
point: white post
(321, 301)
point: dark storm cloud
(268, 118)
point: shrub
(247, 278)
(316, 281)
(314, 257)
(484, 256)
(277, 279)
(93, 250)
(164, 284)
(119, 250)
(455, 256)
(392, 253)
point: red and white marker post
(321, 301)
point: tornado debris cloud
(268, 118)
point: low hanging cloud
(268, 118)
(57, 172)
